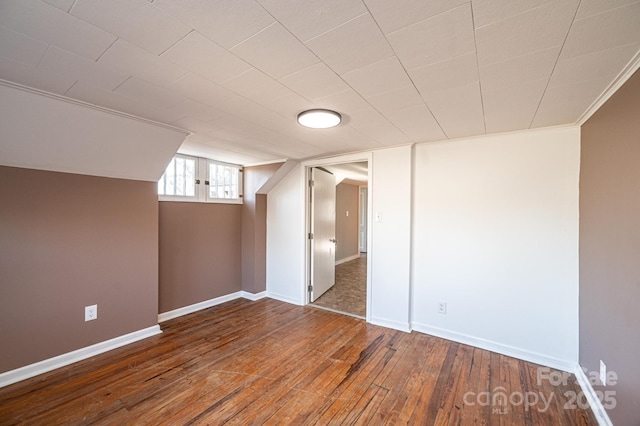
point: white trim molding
(400, 326)
(283, 298)
(50, 364)
(68, 100)
(253, 296)
(620, 79)
(265, 163)
(347, 259)
(523, 354)
(185, 310)
(596, 405)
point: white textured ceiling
(237, 72)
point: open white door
(323, 230)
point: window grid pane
(223, 181)
(170, 188)
(179, 178)
(190, 177)
(180, 183)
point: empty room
(418, 212)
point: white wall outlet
(603, 373)
(90, 312)
(442, 307)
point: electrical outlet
(442, 307)
(90, 312)
(347, 213)
(603, 373)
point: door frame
(341, 159)
(360, 192)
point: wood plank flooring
(269, 362)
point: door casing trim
(341, 159)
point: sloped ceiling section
(237, 72)
(48, 133)
(353, 173)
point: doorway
(364, 195)
(337, 250)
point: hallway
(349, 294)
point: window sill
(194, 200)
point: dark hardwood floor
(268, 362)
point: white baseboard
(534, 357)
(406, 327)
(47, 365)
(209, 303)
(253, 296)
(283, 298)
(596, 405)
(348, 259)
(198, 306)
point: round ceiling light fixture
(319, 118)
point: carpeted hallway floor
(349, 294)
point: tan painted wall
(200, 252)
(68, 241)
(254, 228)
(347, 226)
(610, 247)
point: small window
(199, 179)
(179, 178)
(224, 181)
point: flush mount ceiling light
(319, 118)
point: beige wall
(254, 227)
(200, 252)
(68, 241)
(347, 226)
(610, 247)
